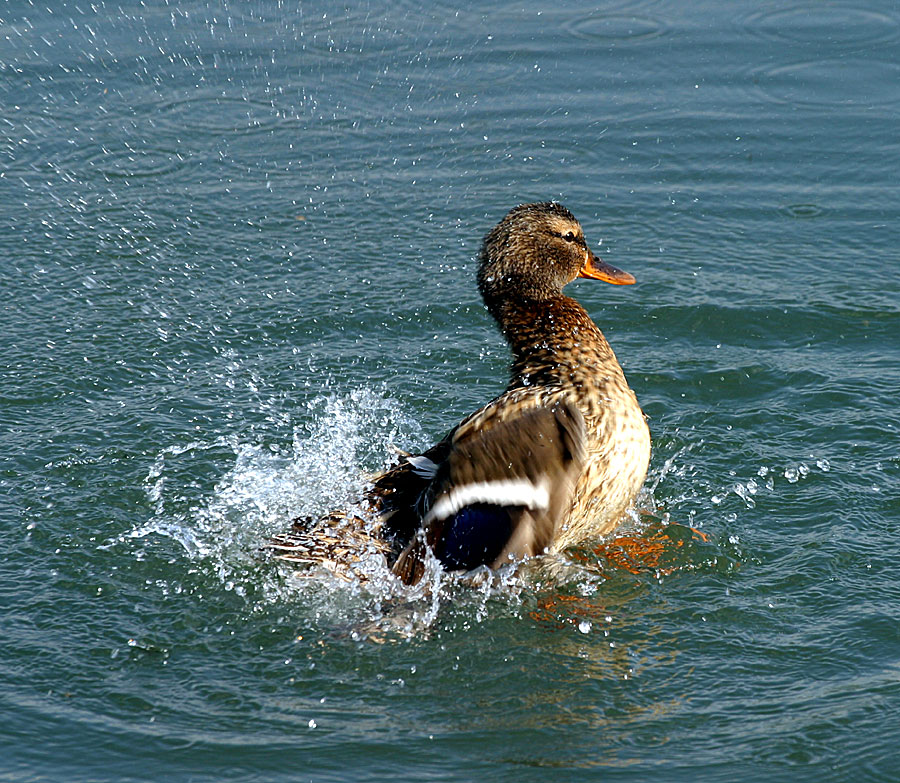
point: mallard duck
(555, 460)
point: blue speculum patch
(475, 536)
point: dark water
(237, 245)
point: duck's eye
(569, 237)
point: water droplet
(585, 626)
(741, 491)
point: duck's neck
(554, 342)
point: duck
(555, 460)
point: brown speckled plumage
(567, 440)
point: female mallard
(554, 460)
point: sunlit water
(238, 248)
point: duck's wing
(499, 493)
(398, 494)
(338, 542)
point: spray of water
(322, 464)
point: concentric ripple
(834, 82)
(825, 25)
(615, 28)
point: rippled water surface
(238, 248)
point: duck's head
(535, 251)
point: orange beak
(596, 269)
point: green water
(237, 243)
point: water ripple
(837, 82)
(615, 28)
(803, 211)
(209, 113)
(129, 162)
(835, 26)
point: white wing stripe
(508, 492)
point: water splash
(321, 464)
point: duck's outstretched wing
(337, 542)
(398, 495)
(499, 489)
(384, 522)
